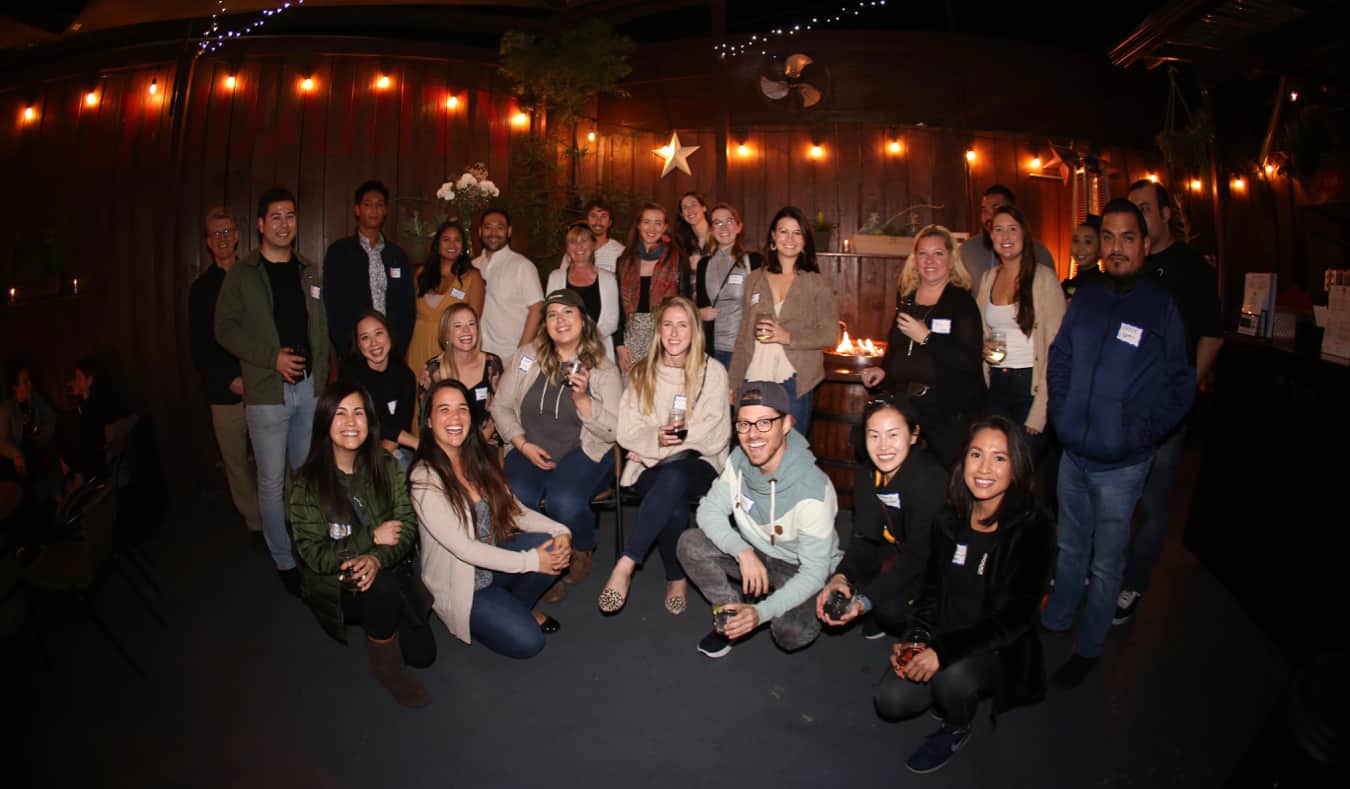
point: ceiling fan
(798, 79)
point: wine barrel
(835, 414)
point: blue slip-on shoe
(937, 749)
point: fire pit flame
(863, 347)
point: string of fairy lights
(761, 41)
(216, 35)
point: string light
(520, 119)
(91, 99)
(1197, 184)
(817, 151)
(307, 84)
(383, 82)
(451, 102)
(1152, 177)
(742, 150)
(1270, 169)
(1239, 184)
(154, 86)
(231, 82)
(590, 136)
(216, 35)
(970, 155)
(1035, 162)
(760, 41)
(29, 113)
(895, 147)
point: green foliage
(566, 71)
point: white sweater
(708, 418)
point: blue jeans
(1010, 396)
(724, 357)
(1094, 530)
(1155, 512)
(800, 407)
(500, 617)
(280, 436)
(664, 513)
(567, 489)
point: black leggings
(379, 610)
(955, 690)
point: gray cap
(766, 393)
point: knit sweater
(597, 431)
(788, 515)
(705, 416)
(810, 315)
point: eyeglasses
(222, 233)
(724, 223)
(762, 425)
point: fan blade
(795, 64)
(773, 88)
(809, 94)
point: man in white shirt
(600, 218)
(514, 304)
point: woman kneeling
(353, 523)
(975, 634)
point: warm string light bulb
(91, 99)
(1035, 162)
(1270, 169)
(29, 113)
(231, 82)
(307, 84)
(742, 150)
(452, 102)
(154, 86)
(895, 146)
(1197, 185)
(1152, 177)
(590, 136)
(520, 119)
(816, 151)
(970, 155)
(383, 82)
(1239, 183)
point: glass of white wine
(995, 346)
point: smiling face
(692, 210)
(449, 247)
(889, 438)
(349, 429)
(651, 226)
(600, 222)
(1086, 247)
(1007, 235)
(222, 238)
(461, 331)
(450, 419)
(278, 227)
(676, 327)
(1125, 245)
(371, 211)
(788, 240)
(725, 228)
(372, 340)
(580, 247)
(564, 324)
(933, 260)
(494, 232)
(988, 466)
(766, 449)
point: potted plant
(890, 237)
(821, 229)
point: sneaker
(715, 645)
(1125, 605)
(871, 630)
(1074, 671)
(937, 749)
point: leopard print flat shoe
(611, 601)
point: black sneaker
(715, 645)
(937, 749)
(871, 630)
(1125, 605)
(1074, 671)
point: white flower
(466, 180)
(445, 192)
(489, 188)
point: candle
(846, 246)
(12, 293)
(75, 286)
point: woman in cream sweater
(485, 558)
(673, 422)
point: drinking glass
(995, 346)
(763, 315)
(914, 641)
(346, 577)
(678, 425)
(722, 615)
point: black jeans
(955, 690)
(1010, 395)
(379, 610)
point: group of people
(646, 360)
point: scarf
(665, 276)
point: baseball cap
(766, 393)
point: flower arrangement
(468, 195)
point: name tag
(680, 402)
(314, 292)
(396, 273)
(942, 326)
(456, 293)
(744, 503)
(480, 393)
(736, 279)
(1130, 334)
(339, 531)
(393, 406)
(754, 297)
(959, 558)
(891, 500)
(525, 364)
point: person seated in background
(367, 271)
(27, 423)
(897, 496)
(86, 453)
(598, 289)
(486, 558)
(974, 633)
(392, 386)
(1087, 255)
(353, 523)
(767, 522)
(557, 407)
(673, 421)
(463, 359)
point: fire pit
(851, 356)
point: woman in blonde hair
(674, 422)
(557, 405)
(933, 350)
(462, 359)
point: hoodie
(798, 498)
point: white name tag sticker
(891, 500)
(314, 292)
(736, 279)
(754, 298)
(456, 293)
(942, 325)
(681, 401)
(745, 503)
(959, 558)
(393, 406)
(1130, 334)
(525, 364)
(396, 273)
(480, 393)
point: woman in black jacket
(935, 345)
(975, 631)
(896, 498)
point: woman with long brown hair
(485, 558)
(652, 268)
(446, 278)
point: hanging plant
(1186, 149)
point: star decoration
(676, 155)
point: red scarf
(665, 278)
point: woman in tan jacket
(1024, 302)
(673, 420)
(789, 317)
(485, 558)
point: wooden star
(676, 155)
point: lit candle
(12, 293)
(846, 246)
(75, 285)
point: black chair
(613, 498)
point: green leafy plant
(820, 224)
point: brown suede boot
(386, 661)
(580, 568)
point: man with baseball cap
(783, 538)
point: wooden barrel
(836, 412)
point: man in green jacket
(270, 314)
